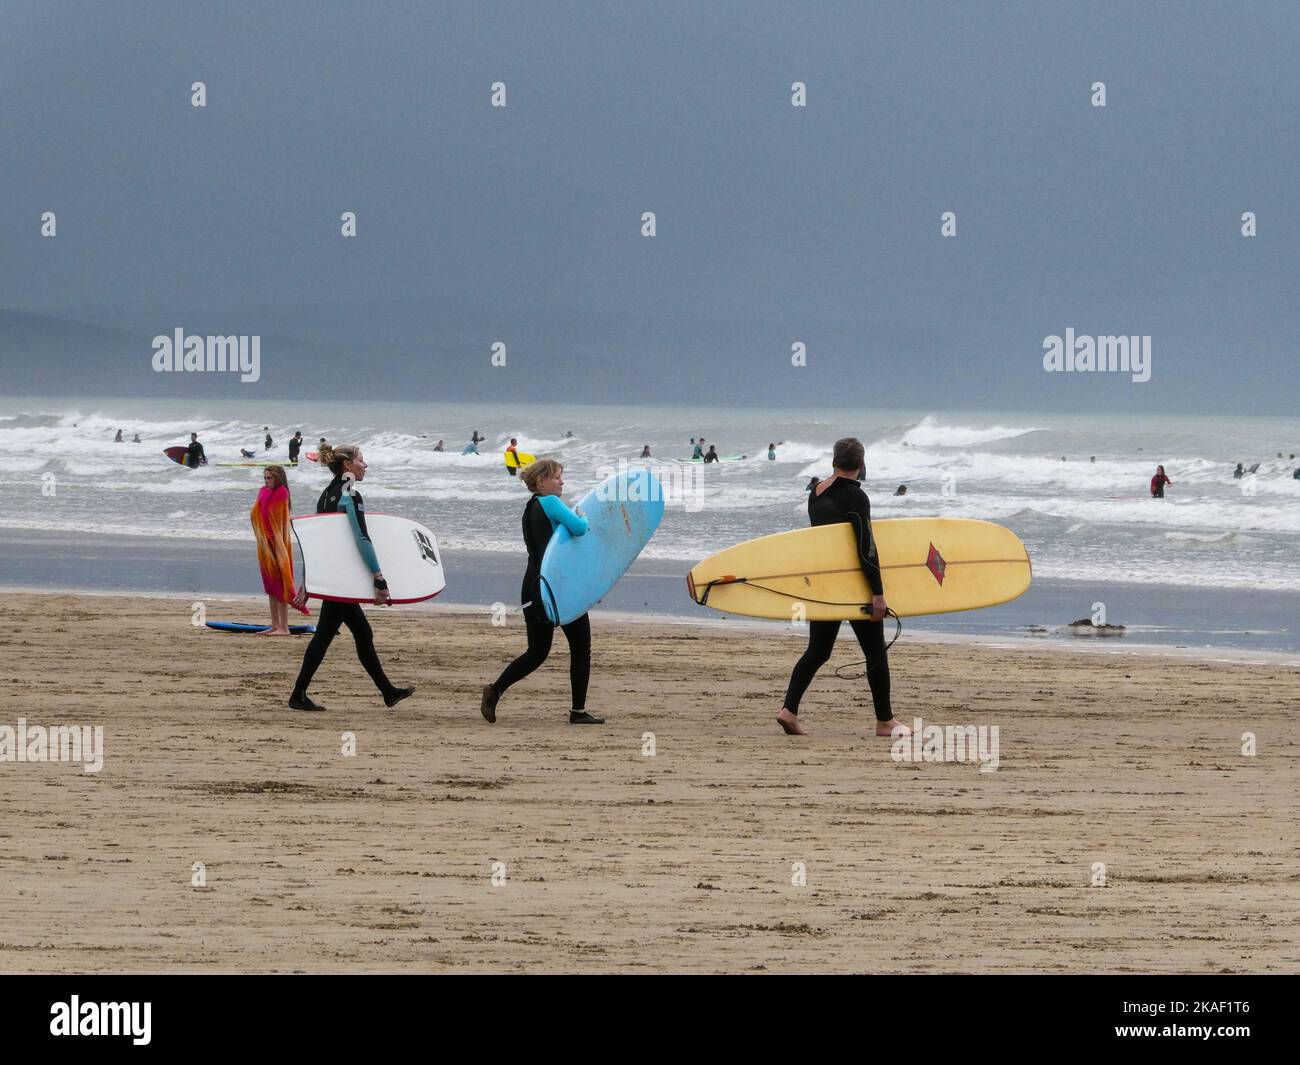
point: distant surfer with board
(349, 468)
(194, 455)
(545, 512)
(513, 449)
(270, 520)
(840, 498)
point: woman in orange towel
(270, 518)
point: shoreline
(1263, 625)
(1119, 646)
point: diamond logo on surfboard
(935, 563)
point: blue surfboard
(622, 512)
(239, 626)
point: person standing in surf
(270, 518)
(295, 446)
(194, 455)
(840, 498)
(349, 468)
(1158, 483)
(545, 512)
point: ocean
(1215, 563)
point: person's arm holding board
(357, 519)
(561, 514)
(859, 516)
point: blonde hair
(335, 456)
(279, 476)
(537, 470)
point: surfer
(439, 446)
(340, 496)
(270, 518)
(1158, 483)
(476, 440)
(771, 452)
(513, 449)
(194, 455)
(246, 453)
(1240, 471)
(698, 452)
(645, 452)
(135, 439)
(118, 439)
(544, 512)
(901, 490)
(295, 446)
(712, 454)
(269, 442)
(840, 498)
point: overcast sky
(775, 223)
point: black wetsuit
(333, 615)
(194, 455)
(537, 534)
(269, 442)
(845, 501)
(295, 445)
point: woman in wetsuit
(1158, 483)
(543, 514)
(840, 498)
(349, 467)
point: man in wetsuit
(837, 499)
(295, 446)
(194, 455)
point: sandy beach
(315, 861)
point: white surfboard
(333, 568)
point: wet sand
(315, 861)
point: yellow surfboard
(517, 459)
(928, 565)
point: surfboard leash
(839, 670)
(898, 631)
(720, 581)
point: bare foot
(279, 632)
(790, 722)
(892, 727)
(265, 632)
